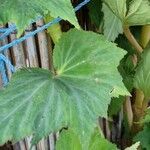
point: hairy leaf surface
(142, 77)
(139, 13)
(39, 102)
(22, 12)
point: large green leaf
(39, 102)
(139, 13)
(112, 24)
(23, 11)
(118, 7)
(142, 77)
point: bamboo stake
(45, 49)
(119, 131)
(18, 59)
(31, 61)
(7, 54)
(31, 50)
(0, 81)
(27, 143)
(108, 133)
(17, 53)
(51, 141)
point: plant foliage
(89, 80)
(74, 95)
(23, 12)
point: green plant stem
(128, 111)
(140, 100)
(139, 96)
(140, 104)
(138, 111)
(145, 35)
(54, 31)
(132, 40)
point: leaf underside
(118, 7)
(112, 24)
(37, 102)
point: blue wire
(3, 61)
(2, 30)
(6, 60)
(7, 31)
(17, 41)
(3, 73)
(13, 28)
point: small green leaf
(38, 102)
(142, 77)
(134, 146)
(23, 12)
(115, 105)
(68, 140)
(112, 24)
(118, 7)
(144, 137)
(99, 143)
(139, 13)
(54, 31)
